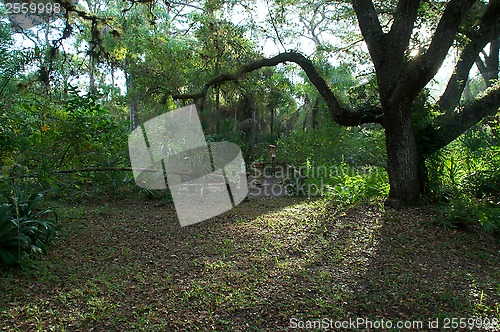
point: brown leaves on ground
(128, 265)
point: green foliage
(332, 144)
(24, 229)
(346, 184)
(346, 164)
(468, 165)
(87, 128)
(40, 136)
(464, 178)
(469, 212)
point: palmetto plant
(23, 228)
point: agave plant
(23, 228)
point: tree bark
(132, 106)
(489, 29)
(402, 156)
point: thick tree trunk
(402, 157)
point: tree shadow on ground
(268, 263)
(370, 266)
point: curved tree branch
(339, 113)
(450, 126)
(489, 30)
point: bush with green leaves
(333, 144)
(469, 165)
(71, 133)
(468, 212)
(346, 164)
(24, 229)
(343, 183)
(464, 179)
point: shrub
(469, 165)
(333, 144)
(348, 184)
(468, 212)
(347, 164)
(464, 179)
(23, 228)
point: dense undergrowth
(464, 179)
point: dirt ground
(266, 265)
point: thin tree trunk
(254, 126)
(92, 87)
(314, 114)
(133, 108)
(272, 111)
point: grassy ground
(269, 264)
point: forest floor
(268, 264)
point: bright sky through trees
(259, 17)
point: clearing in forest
(127, 265)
